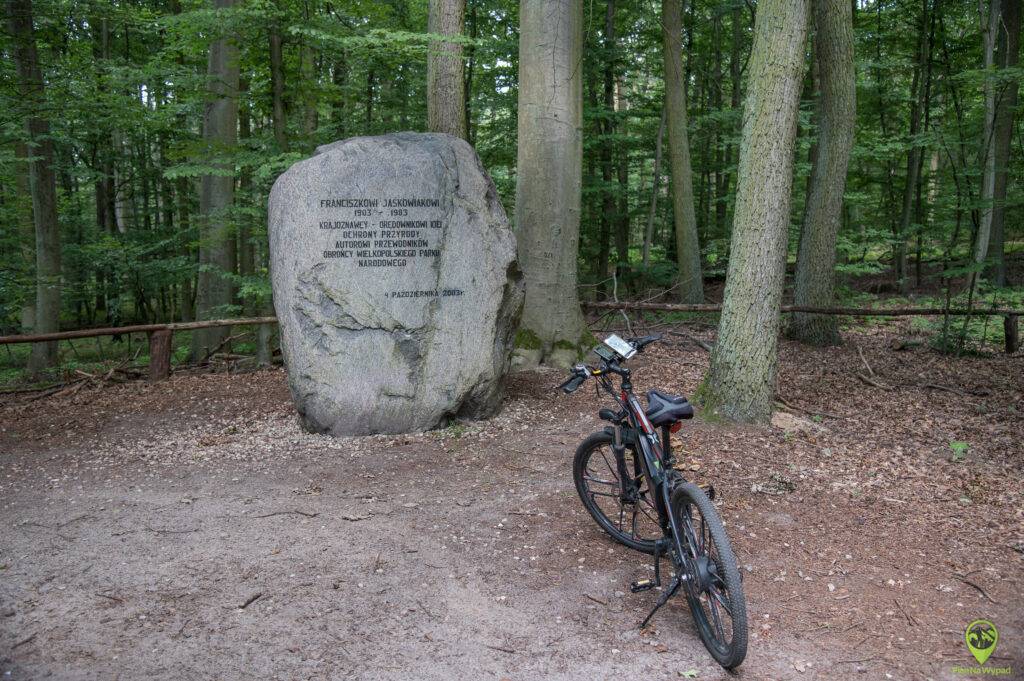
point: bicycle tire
(726, 573)
(581, 461)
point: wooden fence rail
(160, 334)
(159, 337)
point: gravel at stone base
(140, 519)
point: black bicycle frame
(652, 451)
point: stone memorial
(395, 283)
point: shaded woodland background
(122, 89)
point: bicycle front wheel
(715, 594)
(630, 521)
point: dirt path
(137, 520)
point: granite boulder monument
(395, 284)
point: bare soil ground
(191, 530)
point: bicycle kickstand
(669, 592)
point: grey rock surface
(395, 283)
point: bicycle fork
(628, 494)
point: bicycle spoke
(717, 619)
(649, 516)
(600, 482)
(713, 590)
(611, 469)
(603, 494)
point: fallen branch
(910, 618)
(596, 599)
(956, 391)
(789, 404)
(302, 513)
(161, 531)
(980, 590)
(847, 311)
(872, 382)
(865, 361)
(19, 391)
(696, 341)
(249, 601)
(502, 649)
(23, 641)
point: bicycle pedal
(641, 585)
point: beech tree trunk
(655, 182)
(548, 177)
(836, 116)
(277, 89)
(740, 384)
(917, 95)
(988, 156)
(690, 287)
(446, 96)
(1008, 46)
(216, 193)
(42, 182)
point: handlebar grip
(573, 384)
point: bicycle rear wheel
(630, 522)
(715, 595)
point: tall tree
(836, 118)
(1008, 48)
(446, 98)
(917, 105)
(42, 181)
(988, 155)
(740, 384)
(690, 286)
(548, 178)
(216, 191)
(277, 88)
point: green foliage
(127, 91)
(959, 450)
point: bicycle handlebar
(643, 341)
(581, 372)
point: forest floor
(191, 530)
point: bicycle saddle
(664, 409)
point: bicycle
(676, 517)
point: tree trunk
(470, 66)
(690, 288)
(339, 105)
(914, 155)
(836, 118)
(988, 156)
(1008, 44)
(548, 174)
(622, 172)
(26, 233)
(740, 384)
(310, 85)
(42, 182)
(216, 193)
(277, 89)
(446, 98)
(649, 232)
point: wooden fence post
(1010, 331)
(160, 354)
